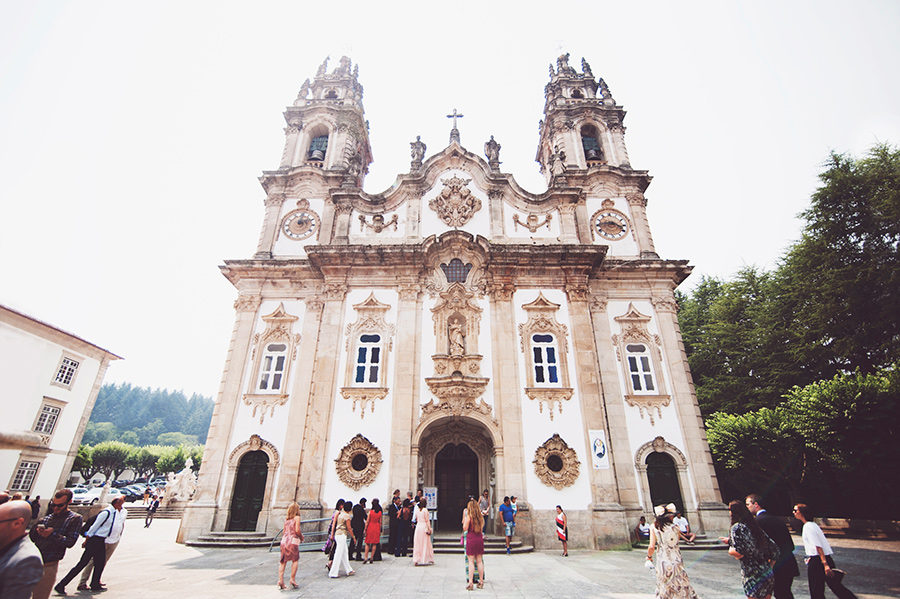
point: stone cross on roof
(454, 132)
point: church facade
(457, 331)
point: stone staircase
(701, 543)
(232, 540)
(444, 543)
(169, 513)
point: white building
(49, 380)
(457, 331)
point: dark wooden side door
(663, 479)
(456, 477)
(249, 490)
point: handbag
(329, 543)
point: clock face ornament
(300, 223)
(611, 224)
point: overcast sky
(132, 134)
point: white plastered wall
(361, 234)
(538, 427)
(640, 429)
(373, 425)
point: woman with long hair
(342, 530)
(373, 530)
(473, 525)
(290, 545)
(671, 578)
(754, 549)
(562, 530)
(820, 568)
(338, 509)
(423, 552)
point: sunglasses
(55, 505)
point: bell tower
(325, 126)
(582, 126)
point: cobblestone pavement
(149, 564)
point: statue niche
(457, 365)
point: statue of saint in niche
(457, 339)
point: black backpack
(90, 522)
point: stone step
(231, 539)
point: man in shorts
(509, 520)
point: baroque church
(457, 332)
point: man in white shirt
(681, 522)
(112, 541)
(95, 545)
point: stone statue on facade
(181, 486)
(557, 162)
(492, 151)
(457, 339)
(416, 152)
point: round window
(554, 462)
(359, 462)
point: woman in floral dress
(755, 550)
(671, 578)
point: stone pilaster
(270, 227)
(200, 514)
(313, 460)
(620, 455)
(510, 458)
(608, 523)
(342, 223)
(496, 212)
(405, 408)
(617, 132)
(713, 513)
(291, 135)
(298, 412)
(638, 205)
(568, 228)
(413, 207)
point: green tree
(171, 460)
(143, 461)
(98, 432)
(150, 431)
(176, 439)
(196, 454)
(83, 461)
(110, 458)
(130, 437)
(841, 280)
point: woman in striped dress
(562, 530)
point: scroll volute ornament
(358, 463)
(556, 464)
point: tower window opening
(576, 93)
(591, 144)
(317, 148)
(331, 95)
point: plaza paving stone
(149, 564)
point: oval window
(554, 463)
(276, 347)
(359, 462)
(542, 338)
(370, 338)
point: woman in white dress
(342, 530)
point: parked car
(92, 496)
(77, 492)
(130, 494)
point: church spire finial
(454, 132)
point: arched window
(640, 368)
(545, 361)
(271, 368)
(590, 141)
(368, 359)
(456, 271)
(576, 93)
(317, 148)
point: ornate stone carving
(408, 291)
(247, 303)
(335, 290)
(551, 397)
(265, 396)
(659, 445)
(365, 396)
(274, 201)
(598, 304)
(634, 330)
(502, 291)
(457, 395)
(358, 463)
(378, 224)
(539, 378)
(577, 292)
(456, 324)
(556, 464)
(532, 222)
(255, 443)
(416, 153)
(636, 199)
(665, 304)
(455, 204)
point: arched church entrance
(456, 455)
(249, 491)
(662, 477)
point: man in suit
(358, 524)
(786, 566)
(20, 561)
(393, 521)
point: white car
(92, 496)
